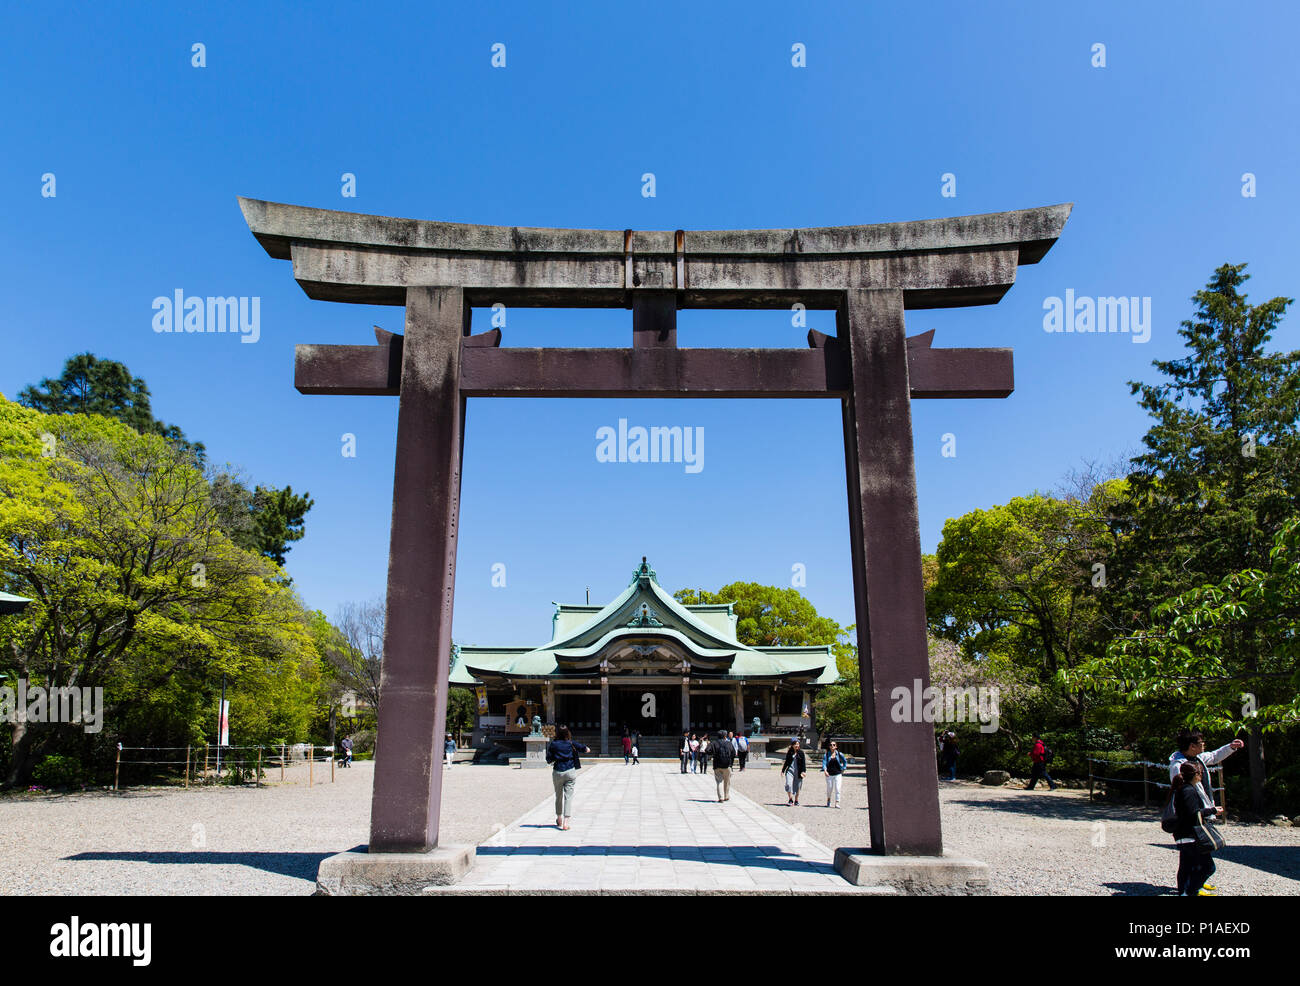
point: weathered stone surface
(358, 873)
(924, 876)
(351, 257)
(995, 778)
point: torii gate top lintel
(937, 263)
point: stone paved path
(650, 829)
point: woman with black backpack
(1196, 837)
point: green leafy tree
(767, 616)
(1219, 479)
(1017, 586)
(136, 588)
(90, 385)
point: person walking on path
(723, 757)
(1038, 756)
(1195, 864)
(695, 753)
(448, 751)
(684, 750)
(949, 755)
(833, 766)
(793, 770)
(1191, 746)
(347, 751)
(636, 749)
(627, 748)
(562, 753)
(742, 749)
(706, 747)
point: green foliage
(767, 616)
(58, 771)
(117, 538)
(90, 385)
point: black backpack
(723, 754)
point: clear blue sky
(149, 154)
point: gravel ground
(1041, 842)
(269, 841)
(220, 840)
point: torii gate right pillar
(902, 780)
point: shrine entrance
(870, 276)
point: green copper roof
(643, 617)
(12, 604)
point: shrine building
(643, 662)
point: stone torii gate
(869, 275)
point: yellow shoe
(1208, 886)
(1205, 893)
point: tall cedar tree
(1220, 476)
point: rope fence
(241, 758)
(1147, 782)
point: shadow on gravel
(299, 864)
(1278, 860)
(1139, 890)
(1054, 806)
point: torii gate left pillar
(421, 570)
(869, 275)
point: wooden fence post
(1146, 789)
(281, 761)
(258, 778)
(331, 766)
(1089, 778)
(206, 748)
(187, 766)
(311, 763)
(117, 768)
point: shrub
(58, 771)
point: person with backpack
(1194, 832)
(723, 756)
(1039, 756)
(793, 770)
(742, 749)
(833, 766)
(562, 753)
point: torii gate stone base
(869, 275)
